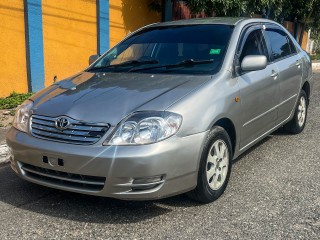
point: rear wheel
(298, 122)
(215, 167)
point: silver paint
(267, 101)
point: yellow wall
(13, 73)
(70, 36)
(127, 16)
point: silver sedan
(165, 111)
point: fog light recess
(147, 183)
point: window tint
(172, 45)
(279, 43)
(254, 45)
(293, 48)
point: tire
(298, 122)
(209, 188)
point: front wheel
(214, 168)
(298, 122)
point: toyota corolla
(165, 111)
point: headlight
(21, 119)
(144, 128)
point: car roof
(212, 20)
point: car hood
(109, 97)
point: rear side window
(293, 48)
(281, 45)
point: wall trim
(34, 44)
(103, 30)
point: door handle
(274, 74)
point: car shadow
(18, 193)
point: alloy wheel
(302, 111)
(217, 164)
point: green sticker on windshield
(215, 51)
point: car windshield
(191, 49)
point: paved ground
(274, 193)
(3, 132)
(3, 147)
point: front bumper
(123, 172)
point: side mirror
(254, 63)
(93, 58)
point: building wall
(13, 72)
(290, 26)
(127, 16)
(61, 35)
(67, 33)
(69, 36)
(181, 11)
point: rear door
(285, 56)
(259, 92)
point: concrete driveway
(274, 193)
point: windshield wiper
(185, 63)
(127, 63)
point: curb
(316, 66)
(4, 154)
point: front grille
(63, 179)
(77, 132)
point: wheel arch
(307, 89)
(228, 125)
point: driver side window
(254, 45)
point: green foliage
(303, 11)
(198, 6)
(230, 8)
(13, 100)
(316, 56)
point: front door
(259, 93)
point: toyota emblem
(62, 123)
